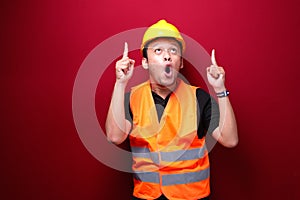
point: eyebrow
(158, 44)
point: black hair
(145, 54)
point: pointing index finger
(213, 58)
(125, 53)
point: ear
(181, 63)
(145, 63)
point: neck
(162, 90)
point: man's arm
(117, 127)
(226, 133)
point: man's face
(164, 61)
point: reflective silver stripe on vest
(181, 155)
(140, 149)
(190, 177)
(173, 156)
(140, 152)
(150, 177)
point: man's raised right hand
(124, 67)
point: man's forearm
(226, 133)
(117, 127)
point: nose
(167, 56)
(167, 59)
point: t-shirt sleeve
(208, 113)
(128, 113)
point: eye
(157, 51)
(173, 51)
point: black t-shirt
(207, 111)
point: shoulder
(142, 90)
(202, 94)
(203, 98)
(140, 86)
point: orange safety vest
(168, 156)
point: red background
(43, 44)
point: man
(167, 119)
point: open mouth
(167, 69)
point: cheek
(178, 64)
(154, 69)
(155, 63)
(155, 59)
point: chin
(168, 83)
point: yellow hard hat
(162, 29)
